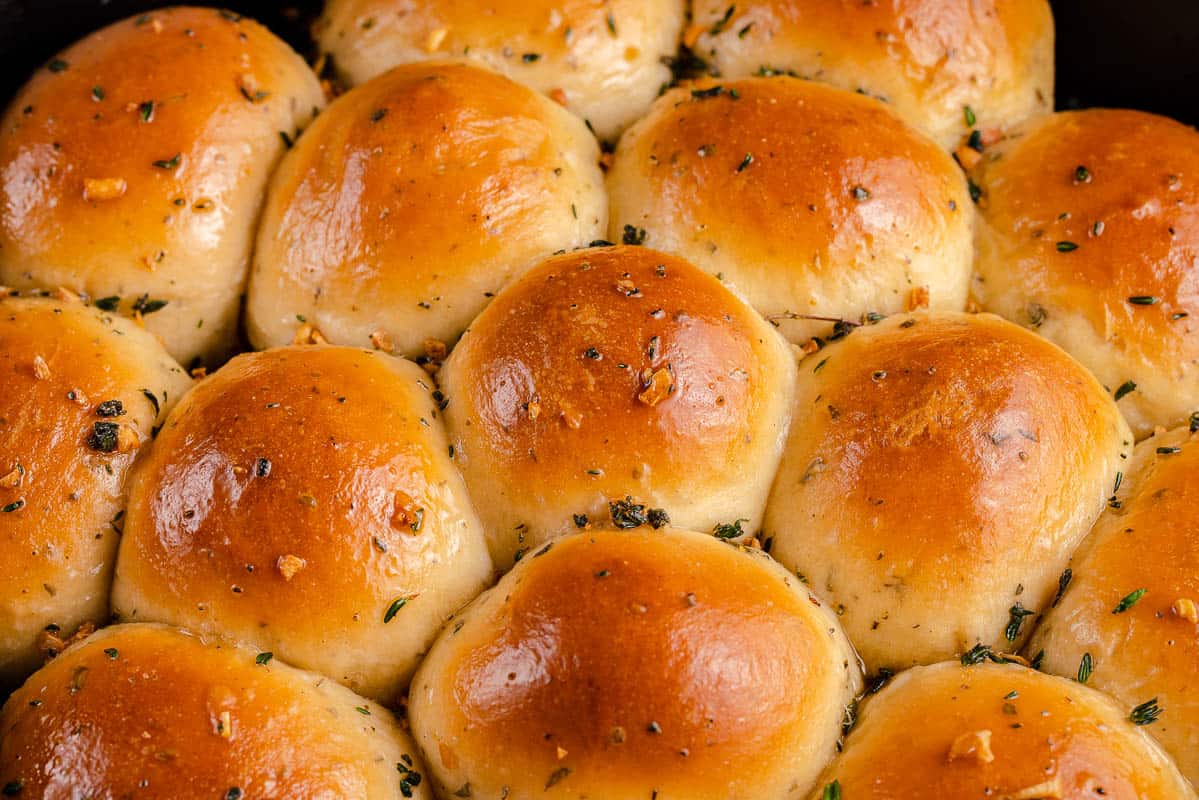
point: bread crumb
(309, 334)
(975, 744)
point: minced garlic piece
(1049, 790)
(381, 340)
(435, 38)
(127, 439)
(657, 388)
(97, 189)
(562, 753)
(308, 334)
(288, 565)
(41, 370)
(918, 298)
(224, 725)
(975, 744)
(1186, 609)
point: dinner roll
(611, 386)
(946, 66)
(303, 500)
(604, 61)
(82, 393)
(133, 168)
(1127, 611)
(1000, 731)
(940, 471)
(634, 664)
(810, 200)
(149, 711)
(414, 199)
(1089, 233)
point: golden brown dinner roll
(1126, 619)
(946, 66)
(940, 470)
(150, 711)
(810, 200)
(133, 167)
(634, 664)
(413, 200)
(612, 385)
(1000, 731)
(80, 394)
(604, 61)
(1089, 233)
(303, 500)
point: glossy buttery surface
(133, 167)
(620, 664)
(998, 731)
(602, 59)
(147, 711)
(60, 498)
(807, 199)
(940, 470)
(1149, 541)
(303, 499)
(929, 59)
(616, 372)
(414, 199)
(1120, 189)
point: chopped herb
(657, 518)
(262, 467)
(1066, 247)
(1082, 175)
(529, 58)
(1037, 660)
(1146, 713)
(103, 437)
(729, 530)
(1124, 389)
(633, 235)
(741, 34)
(144, 305)
(108, 303)
(720, 24)
(286, 139)
(592, 353)
(262, 659)
(149, 395)
(968, 113)
(1064, 581)
(234, 793)
(15, 505)
(169, 163)
(580, 520)
(146, 110)
(1129, 600)
(1016, 615)
(704, 94)
(860, 193)
(12, 788)
(57, 65)
(975, 142)
(832, 791)
(745, 162)
(975, 192)
(97, 93)
(394, 609)
(110, 408)
(378, 114)
(557, 775)
(1085, 668)
(111, 652)
(1144, 300)
(626, 514)
(1168, 451)
(1195, 422)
